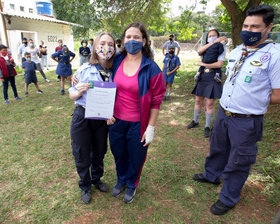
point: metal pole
(4, 24)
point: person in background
(253, 82)
(171, 41)
(30, 74)
(7, 73)
(44, 55)
(34, 51)
(150, 46)
(60, 45)
(21, 49)
(119, 46)
(84, 52)
(89, 137)
(64, 70)
(169, 70)
(206, 86)
(140, 90)
(90, 46)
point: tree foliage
(111, 15)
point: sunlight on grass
(47, 108)
(189, 189)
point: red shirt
(58, 49)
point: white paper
(100, 101)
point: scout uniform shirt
(249, 91)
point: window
(21, 8)
(12, 6)
(30, 10)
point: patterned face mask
(105, 52)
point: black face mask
(171, 52)
(171, 39)
(119, 45)
(25, 43)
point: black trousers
(10, 79)
(89, 146)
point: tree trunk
(237, 17)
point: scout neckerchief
(247, 53)
(104, 75)
(169, 61)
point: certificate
(100, 100)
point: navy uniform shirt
(171, 62)
(84, 51)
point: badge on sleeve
(248, 79)
(265, 57)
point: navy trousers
(128, 151)
(10, 79)
(89, 146)
(233, 149)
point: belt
(208, 70)
(80, 108)
(230, 114)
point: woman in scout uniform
(206, 86)
(64, 70)
(89, 137)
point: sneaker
(129, 195)
(217, 78)
(117, 189)
(62, 92)
(47, 80)
(102, 186)
(207, 132)
(26, 94)
(18, 98)
(193, 124)
(86, 196)
(39, 91)
(7, 101)
(219, 208)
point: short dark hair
(118, 41)
(83, 41)
(146, 49)
(209, 32)
(91, 39)
(24, 38)
(171, 35)
(2, 46)
(27, 53)
(266, 11)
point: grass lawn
(39, 181)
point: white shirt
(249, 92)
(34, 54)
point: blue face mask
(250, 38)
(133, 46)
(31, 45)
(28, 59)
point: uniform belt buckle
(207, 70)
(229, 114)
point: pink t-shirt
(127, 104)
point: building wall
(38, 30)
(27, 4)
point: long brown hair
(94, 57)
(146, 49)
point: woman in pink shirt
(140, 90)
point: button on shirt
(249, 92)
(87, 72)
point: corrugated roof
(40, 17)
